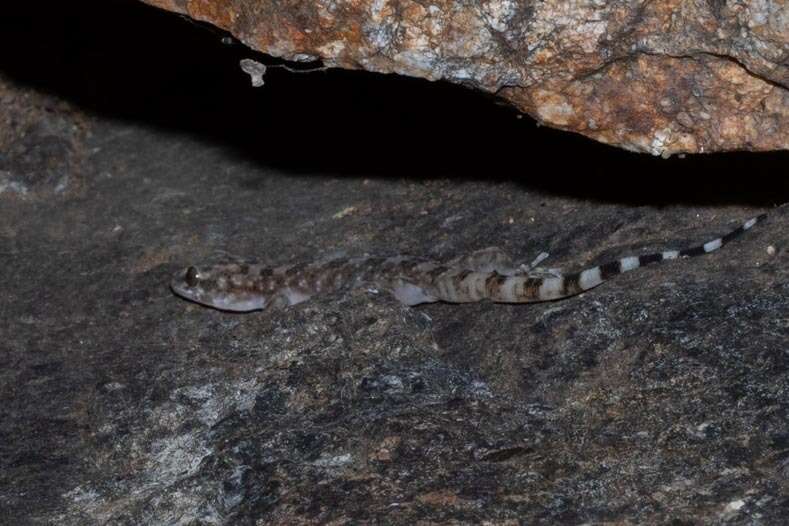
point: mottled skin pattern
(484, 275)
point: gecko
(484, 275)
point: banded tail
(475, 286)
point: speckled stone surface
(661, 77)
(659, 397)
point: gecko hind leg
(533, 265)
(534, 271)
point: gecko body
(487, 275)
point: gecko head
(222, 287)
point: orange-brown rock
(663, 77)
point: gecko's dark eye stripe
(191, 276)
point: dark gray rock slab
(658, 397)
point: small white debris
(392, 382)
(771, 250)
(6, 184)
(481, 389)
(337, 461)
(451, 219)
(304, 57)
(62, 185)
(734, 506)
(348, 210)
(255, 70)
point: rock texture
(659, 398)
(662, 77)
(40, 144)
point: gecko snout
(213, 286)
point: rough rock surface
(659, 397)
(662, 77)
(40, 144)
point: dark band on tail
(523, 288)
(592, 277)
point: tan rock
(661, 77)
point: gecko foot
(533, 265)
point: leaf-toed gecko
(484, 275)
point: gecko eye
(191, 277)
